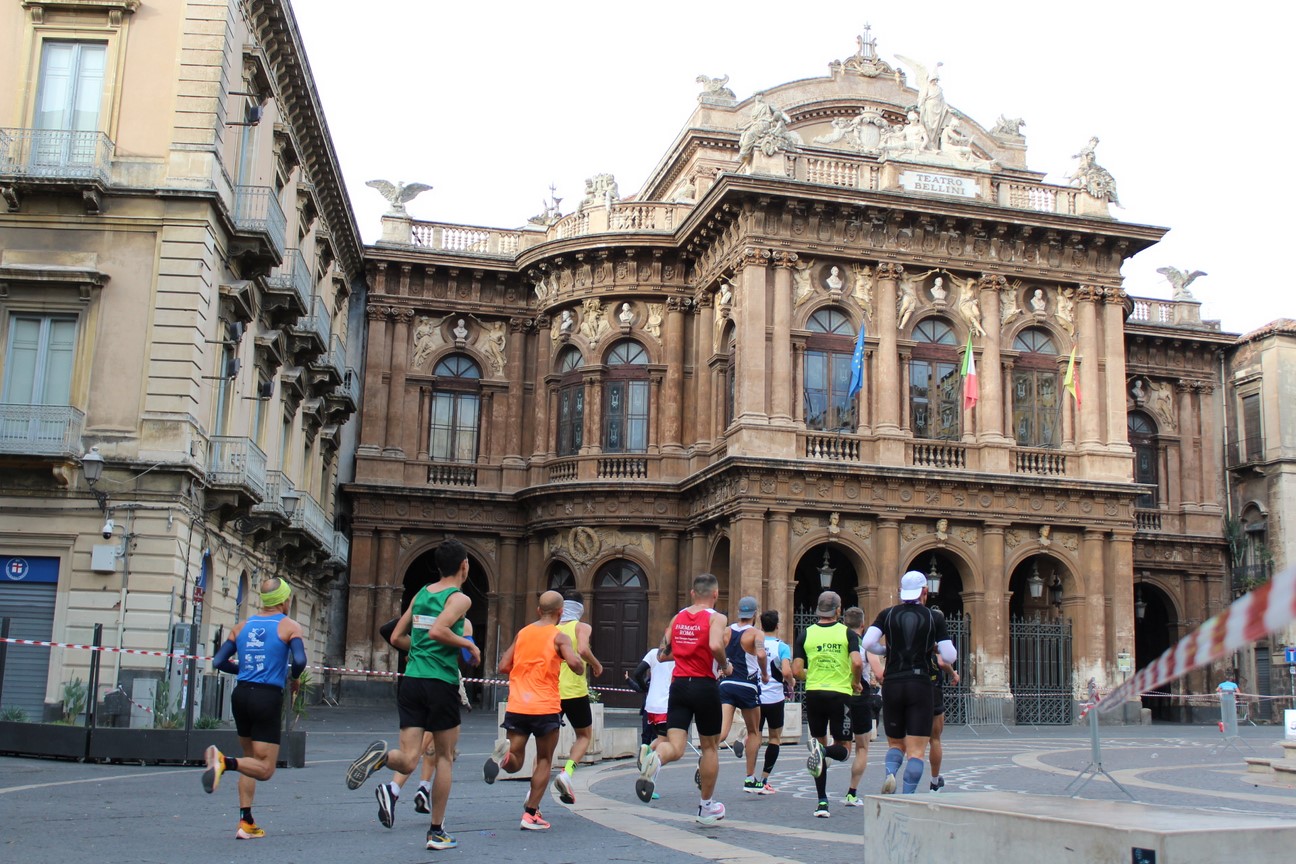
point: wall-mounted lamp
(826, 572)
(933, 578)
(1140, 605)
(1035, 583)
(92, 465)
(1055, 592)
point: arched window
(935, 386)
(730, 376)
(1035, 404)
(1143, 440)
(561, 577)
(456, 408)
(571, 403)
(625, 399)
(620, 574)
(829, 350)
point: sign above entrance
(35, 569)
(940, 184)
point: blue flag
(857, 364)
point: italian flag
(1069, 381)
(970, 389)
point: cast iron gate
(1041, 671)
(959, 628)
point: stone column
(798, 383)
(668, 584)
(542, 434)
(1189, 467)
(384, 656)
(373, 409)
(359, 636)
(889, 396)
(749, 310)
(654, 412)
(506, 592)
(698, 564)
(888, 558)
(423, 432)
(989, 626)
(516, 393)
(593, 440)
(1091, 641)
(990, 405)
(1120, 629)
(1114, 368)
(782, 392)
(1210, 492)
(778, 583)
(396, 390)
(672, 405)
(703, 348)
(1089, 351)
(747, 538)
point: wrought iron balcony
(50, 159)
(288, 291)
(310, 519)
(277, 488)
(260, 226)
(1246, 451)
(40, 430)
(309, 337)
(237, 463)
(343, 400)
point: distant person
(1228, 685)
(263, 651)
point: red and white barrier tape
(180, 655)
(1250, 618)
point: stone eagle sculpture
(1180, 281)
(398, 194)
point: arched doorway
(1155, 626)
(620, 622)
(1039, 643)
(949, 599)
(422, 571)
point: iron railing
(309, 518)
(341, 547)
(257, 210)
(955, 696)
(1244, 451)
(40, 430)
(237, 462)
(335, 359)
(293, 275)
(55, 154)
(315, 323)
(277, 488)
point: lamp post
(826, 572)
(1055, 593)
(933, 578)
(92, 465)
(1035, 583)
(1140, 605)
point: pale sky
(490, 102)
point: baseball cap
(747, 607)
(912, 585)
(829, 602)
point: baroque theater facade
(618, 398)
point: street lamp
(249, 524)
(933, 578)
(92, 465)
(1140, 605)
(826, 572)
(1035, 583)
(1055, 592)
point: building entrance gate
(1041, 671)
(959, 628)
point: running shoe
(492, 767)
(646, 784)
(248, 831)
(821, 811)
(753, 786)
(710, 814)
(655, 796)
(441, 840)
(215, 768)
(737, 748)
(563, 786)
(421, 801)
(386, 805)
(534, 823)
(889, 785)
(853, 801)
(815, 761)
(373, 758)
(938, 784)
(644, 750)
(765, 788)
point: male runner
(534, 707)
(652, 677)
(863, 710)
(911, 631)
(827, 657)
(261, 651)
(740, 690)
(774, 694)
(573, 689)
(940, 669)
(427, 697)
(696, 638)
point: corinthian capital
(786, 260)
(888, 270)
(1089, 294)
(993, 281)
(753, 256)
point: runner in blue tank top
(740, 689)
(262, 651)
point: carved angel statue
(1180, 280)
(493, 348)
(932, 110)
(1092, 177)
(863, 289)
(424, 341)
(715, 87)
(1008, 308)
(1066, 310)
(907, 300)
(969, 305)
(398, 194)
(767, 129)
(802, 288)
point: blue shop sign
(28, 569)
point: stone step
(1258, 765)
(1284, 766)
(1289, 750)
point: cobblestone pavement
(52, 811)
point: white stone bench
(1020, 829)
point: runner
(262, 651)
(427, 697)
(653, 677)
(534, 707)
(940, 670)
(740, 690)
(911, 631)
(774, 693)
(573, 689)
(697, 641)
(827, 657)
(863, 709)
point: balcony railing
(315, 323)
(1049, 463)
(238, 462)
(40, 430)
(561, 471)
(465, 238)
(277, 488)
(1245, 451)
(938, 454)
(293, 276)
(257, 211)
(1147, 520)
(55, 154)
(447, 474)
(309, 518)
(832, 448)
(623, 468)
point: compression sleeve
(297, 649)
(388, 629)
(465, 653)
(870, 641)
(638, 679)
(947, 651)
(224, 659)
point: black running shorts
(826, 712)
(863, 714)
(694, 700)
(907, 707)
(429, 704)
(578, 712)
(538, 725)
(258, 711)
(773, 715)
(740, 694)
(938, 700)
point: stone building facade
(621, 397)
(178, 262)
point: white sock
(751, 778)
(395, 790)
(425, 785)
(706, 802)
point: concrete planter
(43, 739)
(146, 746)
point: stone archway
(422, 571)
(620, 623)
(1154, 632)
(1040, 656)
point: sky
(491, 102)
